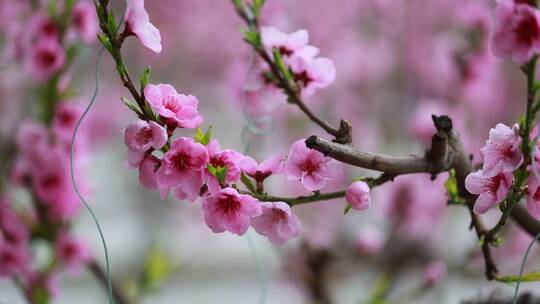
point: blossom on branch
(491, 188)
(179, 108)
(277, 222)
(138, 23)
(357, 195)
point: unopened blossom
(310, 167)
(85, 20)
(312, 73)
(230, 211)
(434, 272)
(140, 136)
(533, 197)
(277, 222)
(180, 108)
(71, 252)
(47, 57)
(516, 31)
(503, 149)
(181, 166)
(357, 195)
(260, 171)
(138, 23)
(147, 172)
(218, 158)
(286, 44)
(492, 189)
(369, 241)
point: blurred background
(397, 63)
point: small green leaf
(40, 295)
(452, 189)
(105, 42)
(111, 24)
(257, 7)
(347, 209)
(247, 182)
(281, 66)
(158, 268)
(219, 172)
(252, 37)
(131, 106)
(145, 77)
(203, 138)
(527, 277)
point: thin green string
(81, 198)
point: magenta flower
(71, 252)
(85, 20)
(516, 32)
(310, 167)
(14, 259)
(138, 24)
(47, 57)
(12, 228)
(272, 165)
(140, 136)
(312, 73)
(230, 211)
(277, 222)
(502, 151)
(181, 167)
(533, 197)
(287, 44)
(147, 172)
(357, 195)
(222, 158)
(178, 107)
(492, 189)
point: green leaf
(247, 182)
(527, 277)
(219, 172)
(158, 268)
(347, 209)
(257, 7)
(203, 138)
(145, 77)
(40, 295)
(105, 42)
(281, 66)
(131, 106)
(111, 24)
(452, 189)
(252, 37)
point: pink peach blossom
(222, 158)
(230, 211)
(502, 151)
(272, 165)
(12, 228)
(178, 107)
(181, 166)
(357, 195)
(516, 31)
(492, 188)
(13, 259)
(47, 57)
(277, 222)
(147, 172)
(312, 73)
(533, 197)
(85, 20)
(140, 136)
(309, 166)
(138, 23)
(71, 252)
(369, 241)
(65, 119)
(287, 44)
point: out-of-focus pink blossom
(12, 229)
(272, 165)
(181, 167)
(502, 151)
(357, 195)
(369, 241)
(71, 252)
(516, 32)
(178, 107)
(13, 259)
(140, 136)
(85, 20)
(47, 57)
(65, 119)
(287, 44)
(312, 73)
(310, 167)
(277, 222)
(230, 211)
(138, 23)
(147, 172)
(492, 189)
(222, 158)
(434, 272)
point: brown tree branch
(101, 276)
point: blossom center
(181, 161)
(47, 58)
(229, 205)
(143, 136)
(303, 78)
(527, 29)
(493, 184)
(310, 166)
(171, 103)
